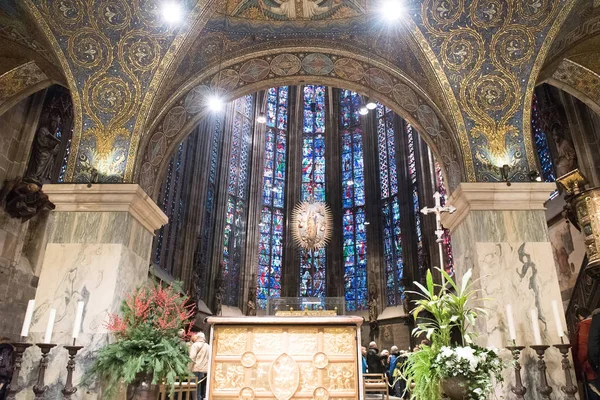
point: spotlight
(262, 118)
(371, 105)
(171, 12)
(350, 182)
(367, 223)
(535, 176)
(363, 110)
(215, 103)
(392, 10)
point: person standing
(363, 351)
(200, 356)
(6, 366)
(374, 364)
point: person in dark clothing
(374, 364)
(593, 350)
(6, 366)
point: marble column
(500, 232)
(98, 251)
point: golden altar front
(285, 358)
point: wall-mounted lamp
(93, 177)
(504, 173)
(262, 118)
(534, 176)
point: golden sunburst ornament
(312, 224)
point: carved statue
(45, 147)
(373, 314)
(24, 199)
(567, 157)
(220, 293)
(251, 311)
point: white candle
(78, 316)
(536, 327)
(28, 316)
(511, 323)
(557, 320)
(50, 326)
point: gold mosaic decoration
(304, 365)
(312, 225)
(20, 79)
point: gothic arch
(290, 66)
(21, 82)
(579, 81)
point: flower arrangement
(476, 364)
(445, 316)
(146, 339)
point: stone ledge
(496, 197)
(107, 198)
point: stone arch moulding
(578, 81)
(261, 70)
(20, 83)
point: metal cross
(439, 232)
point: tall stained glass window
(237, 197)
(272, 219)
(312, 263)
(441, 188)
(390, 206)
(541, 144)
(414, 188)
(353, 203)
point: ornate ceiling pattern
(578, 81)
(291, 66)
(489, 50)
(25, 79)
(289, 10)
(111, 51)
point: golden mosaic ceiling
(472, 63)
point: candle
(78, 315)
(536, 327)
(557, 320)
(28, 316)
(50, 326)
(511, 323)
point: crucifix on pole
(439, 232)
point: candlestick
(18, 350)
(519, 390)
(511, 323)
(569, 389)
(545, 390)
(27, 320)
(536, 327)
(557, 320)
(39, 388)
(50, 326)
(69, 389)
(78, 316)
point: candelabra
(39, 388)
(519, 390)
(69, 389)
(569, 389)
(19, 349)
(545, 390)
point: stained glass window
(541, 144)
(312, 263)
(272, 218)
(414, 188)
(353, 203)
(204, 248)
(237, 197)
(447, 244)
(390, 206)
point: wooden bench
(185, 389)
(376, 383)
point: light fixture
(350, 182)
(363, 110)
(172, 12)
(504, 172)
(215, 103)
(371, 105)
(392, 10)
(535, 176)
(262, 118)
(367, 223)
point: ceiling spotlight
(350, 182)
(367, 223)
(392, 10)
(172, 12)
(371, 105)
(215, 103)
(262, 118)
(363, 110)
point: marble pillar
(500, 232)
(98, 251)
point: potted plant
(449, 363)
(147, 350)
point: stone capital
(107, 198)
(496, 197)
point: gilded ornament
(158, 146)
(317, 64)
(514, 45)
(286, 65)
(320, 360)
(68, 12)
(18, 79)
(406, 97)
(439, 14)
(147, 177)
(379, 80)
(89, 49)
(312, 225)
(246, 394)
(248, 359)
(284, 377)
(195, 99)
(347, 68)
(225, 81)
(174, 121)
(139, 52)
(461, 49)
(254, 70)
(113, 14)
(321, 393)
(486, 14)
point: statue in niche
(43, 153)
(220, 293)
(251, 304)
(24, 199)
(567, 157)
(373, 314)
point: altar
(285, 358)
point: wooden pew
(185, 389)
(376, 383)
